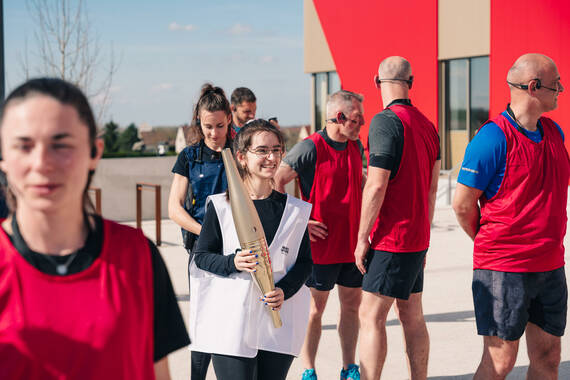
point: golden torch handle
(249, 229)
(263, 276)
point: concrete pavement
(448, 307)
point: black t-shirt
(169, 330)
(303, 159)
(208, 253)
(386, 139)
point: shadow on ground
(518, 373)
(444, 227)
(168, 244)
(457, 316)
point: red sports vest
(336, 197)
(523, 225)
(403, 221)
(96, 324)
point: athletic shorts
(505, 302)
(394, 274)
(325, 276)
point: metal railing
(157, 209)
(447, 190)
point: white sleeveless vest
(226, 316)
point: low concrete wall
(117, 178)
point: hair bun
(207, 87)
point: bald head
(531, 66)
(395, 67)
(535, 85)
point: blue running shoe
(352, 373)
(310, 374)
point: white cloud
(175, 26)
(239, 29)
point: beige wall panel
(464, 28)
(317, 53)
(459, 141)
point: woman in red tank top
(65, 323)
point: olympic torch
(249, 229)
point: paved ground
(455, 347)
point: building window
(464, 91)
(320, 99)
(456, 100)
(334, 82)
(326, 83)
(479, 93)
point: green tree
(127, 138)
(110, 136)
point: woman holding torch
(228, 316)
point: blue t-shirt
(485, 158)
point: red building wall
(530, 26)
(361, 34)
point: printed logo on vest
(285, 250)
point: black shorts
(394, 274)
(325, 276)
(505, 302)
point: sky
(167, 49)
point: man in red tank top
(511, 199)
(397, 208)
(328, 165)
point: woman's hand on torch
(274, 299)
(245, 261)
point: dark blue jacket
(205, 178)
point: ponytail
(211, 99)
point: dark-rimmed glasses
(266, 152)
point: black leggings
(266, 365)
(199, 365)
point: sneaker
(310, 374)
(352, 373)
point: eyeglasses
(266, 152)
(539, 85)
(558, 86)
